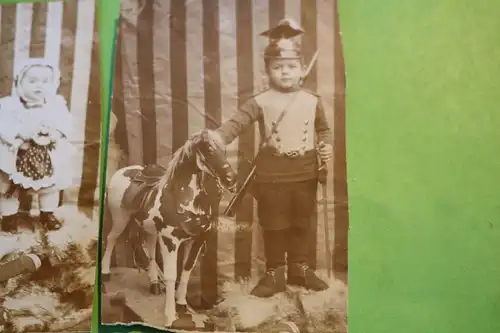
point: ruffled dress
(44, 161)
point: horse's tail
(107, 216)
(107, 219)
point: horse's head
(211, 158)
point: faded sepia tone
(181, 69)
(50, 127)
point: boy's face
(36, 83)
(285, 73)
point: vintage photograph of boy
(226, 206)
(50, 112)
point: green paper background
(423, 91)
(423, 158)
(423, 164)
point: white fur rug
(59, 295)
(324, 311)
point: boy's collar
(285, 90)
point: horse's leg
(181, 292)
(154, 284)
(119, 220)
(191, 255)
(169, 255)
(116, 215)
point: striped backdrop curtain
(66, 33)
(184, 67)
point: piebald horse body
(177, 211)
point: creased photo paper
(50, 127)
(226, 207)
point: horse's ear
(205, 134)
(195, 137)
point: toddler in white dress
(35, 150)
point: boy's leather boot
(299, 273)
(271, 283)
(273, 280)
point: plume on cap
(285, 29)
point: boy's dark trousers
(285, 211)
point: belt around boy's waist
(294, 153)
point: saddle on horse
(142, 182)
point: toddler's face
(36, 83)
(285, 73)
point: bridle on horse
(212, 172)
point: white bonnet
(25, 65)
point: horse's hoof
(181, 308)
(118, 299)
(106, 277)
(155, 288)
(184, 323)
(203, 304)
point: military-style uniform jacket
(291, 152)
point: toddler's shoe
(10, 223)
(49, 221)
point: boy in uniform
(286, 176)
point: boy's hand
(219, 138)
(325, 152)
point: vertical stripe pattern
(64, 32)
(163, 91)
(326, 88)
(129, 15)
(229, 101)
(7, 40)
(341, 206)
(309, 44)
(198, 61)
(22, 34)
(145, 42)
(212, 106)
(38, 30)
(178, 71)
(246, 142)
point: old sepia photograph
(50, 128)
(226, 205)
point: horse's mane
(185, 152)
(178, 159)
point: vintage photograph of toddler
(226, 204)
(50, 127)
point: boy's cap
(281, 44)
